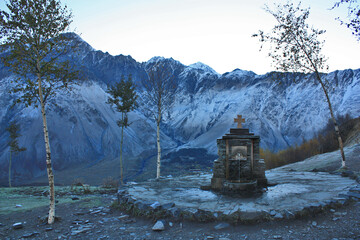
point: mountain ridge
(83, 127)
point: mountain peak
(76, 39)
(238, 73)
(202, 66)
(156, 59)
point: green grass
(32, 197)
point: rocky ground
(91, 216)
(81, 220)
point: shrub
(79, 183)
(110, 182)
(325, 141)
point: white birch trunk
(341, 146)
(158, 162)
(121, 151)
(51, 217)
(10, 170)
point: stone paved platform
(291, 195)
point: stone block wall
(241, 170)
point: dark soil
(80, 220)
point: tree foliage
(294, 45)
(13, 130)
(353, 21)
(31, 34)
(159, 91)
(123, 96)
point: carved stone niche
(239, 167)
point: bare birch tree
(294, 45)
(158, 98)
(31, 35)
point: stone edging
(155, 210)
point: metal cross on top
(239, 120)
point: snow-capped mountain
(83, 127)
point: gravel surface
(78, 222)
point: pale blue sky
(215, 32)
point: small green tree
(31, 33)
(123, 97)
(13, 130)
(295, 46)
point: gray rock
(159, 226)
(252, 216)
(354, 194)
(131, 199)
(345, 196)
(76, 222)
(95, 211)
(278, 216)
(273, 213)
(103, 237)
(167, 206)
(340, 214)
(18, 225)
(288, 214)
(122, 192)
(79, 213)
(174, 212)
(141, 205)
(106, 210)
(30, 235)
(128, 221)
(122, 217)
(221, 226)
(277, 237)
(355, 189)
(203, 216)
(155, 205)
(75, 232)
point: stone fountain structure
(239, 167)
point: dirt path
(84, 219)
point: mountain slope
(83, 128)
